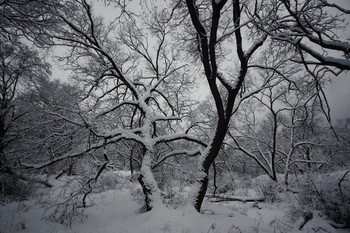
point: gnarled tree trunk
(148, 183)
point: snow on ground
(116, 212)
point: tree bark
(148, 183)
(207, 159)
(147, 191)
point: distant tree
(27, 19)
(44, 130)
(20, 68)
(278, 123)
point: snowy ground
(116, 211)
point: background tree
(27, 19)
(20, 68)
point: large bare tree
(133, 86)
(246, 26)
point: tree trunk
(148, 183)
(147, 191)
(206, 160)
(202, 183)
(2, 137)
(286, 174)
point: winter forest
(173, 116)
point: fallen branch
(28, 178)
(337, 225)
(224, 197)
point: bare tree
(132, 89)
(285, 21)
(278, 129)
(211, 34)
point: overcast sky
(338, 94)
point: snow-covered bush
(65, 212)
(175, 196)
(328, 193)
(68, 200)
(269, 188)
(139, 197)
(72, 195)
(234, 183)
(112, 180)
(14, 189)
(176, 200)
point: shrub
(328, 193)
(111, 180)
(268, 187)
(14, 189)
(234, 183)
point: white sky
(338, 94)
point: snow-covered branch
(176, 137)
(193, 152)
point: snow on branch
(26, 177)
(115, 107)
(334, 45)
(176, 137)
(177, 152)
(326, 60)
(165, 118)
(78, 153)
(326, 3)
(247, 95)
(125, 134)
(255, 46)
(252, 155)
